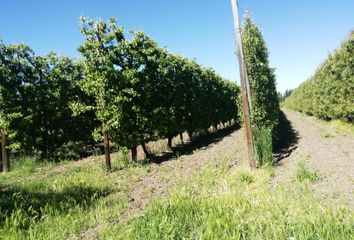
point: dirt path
(325, 151)
(161, 177)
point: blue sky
(299, 33)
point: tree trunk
(169, 142)
(147, 154)
(5, 157)
(106, 151)
(134, 154)
(181, 137)
(190, 135)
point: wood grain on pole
(244, 85)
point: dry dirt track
(326, 151)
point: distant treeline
(283, 96)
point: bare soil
(326, 152)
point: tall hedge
(265, 104)
(329, 93)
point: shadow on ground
(30, 205)
(196, 143)
(287, 139)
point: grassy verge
(342, 127)
(239, 204)
(53, 202)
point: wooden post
(247, 84)
(5, 157)
(244, 85)
(106, 151)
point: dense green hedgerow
(329, 93)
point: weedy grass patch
(264, 146)
(45, 204)
(342, 127)
(303, 173)
(240, 204)
(217, 202)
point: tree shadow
(30, 205)
(202, 141)
(286, 141)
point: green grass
(245, 177)
(120, 160)
(47, 202)
(218, 204)
(303, 173)
(342, 127)
(263, 146)
(25, 164)
(53, 202)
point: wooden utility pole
(245, 90)
(5, 157)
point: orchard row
(124, 87)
